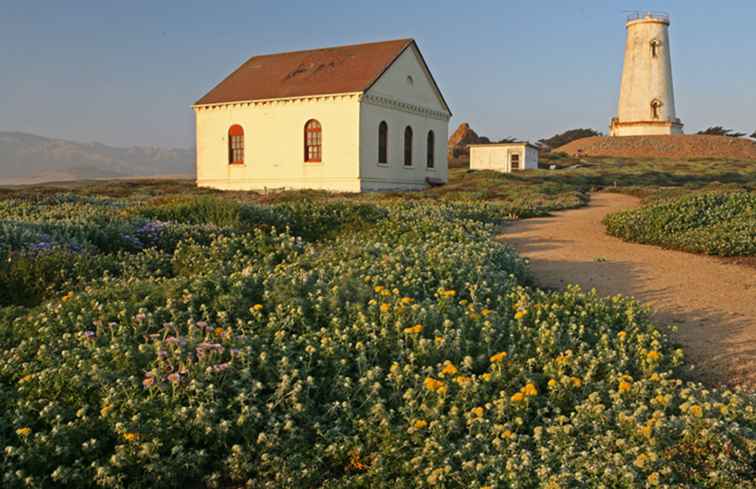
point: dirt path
(712, 302)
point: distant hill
(28, 158)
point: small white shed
(503, 157)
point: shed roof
(343, 69)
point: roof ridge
(406, 40)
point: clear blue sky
(126, 73)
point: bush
(714, 223)
(403, 352)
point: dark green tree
(567, 137)
(721, 131)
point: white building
(647, 100)
(351, 118)
(503, 157)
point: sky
(127, 73)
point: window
(383, 142)
(655, 45)
(408, 146)
(514, 161)
(313, 150)
(431, 148)
(235, 145)
(655, 106)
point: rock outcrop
(461, 139)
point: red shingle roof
(316, 72)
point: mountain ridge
(34, 158)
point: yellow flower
(646, 430)
(25, 378)
(518, 397)
(462, 380)
(420, 424)
(640, 461)
(487, 376)
(434, 385)
(385, 307)
(498, 357)
(378, 289)
(696, 410)
(486, 312)
(68, 297)
(530, 390)
(624, 386)
(653, 479)
(131, 436)
(439, 340)
(506, 434)
(106, 409)
(622, 335)
(479, 411)
(577, 382)
(520, 314)
(416, 329)
(407, 300)
(653, 356)
(552, 384)
(449, 369)
(257, 307)
(219, 331)
(24, 431)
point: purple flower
(89, 334)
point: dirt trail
(712, 302)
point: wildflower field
(715, 223)
(202, 339)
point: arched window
(236, 145)
(655, 106)
(431, 148)
(408, 146)
(383, 142)
(313, 150)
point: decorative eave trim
(281, 101)
(390, 103)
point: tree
(567, 137)
(753, 135)
(721, 131)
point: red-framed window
(431, 147)
(236, 145)
(383, 142)
(408, 146)
(313, 147)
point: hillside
(28, 158)
(675, 147)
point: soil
(711, 300)
(680, 147)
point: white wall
(274, 145)
(399, 103)
(498, 157)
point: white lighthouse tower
(647, 100)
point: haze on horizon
(127, 74)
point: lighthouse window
(655, 45)
(655, 106)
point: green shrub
(714, 223)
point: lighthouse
(647, 100)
